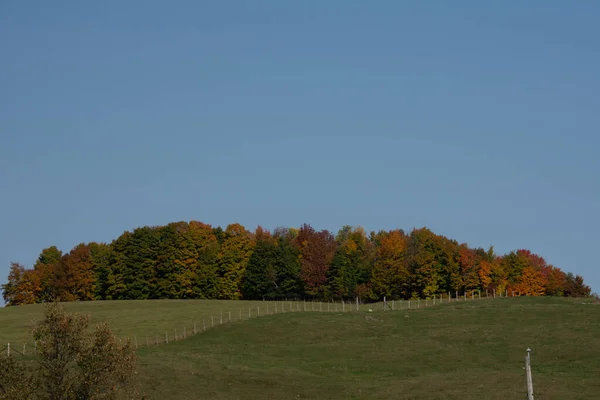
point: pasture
(458, 350)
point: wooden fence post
(166, 337)
(221, 320)
(528, 373)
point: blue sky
(477, 120)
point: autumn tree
(45, 269)
(574, 286)
(21, 286)
(390, 275)
(530, 282)
(235, 252)
(316, 252)
(74, 275)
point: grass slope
(462, 350)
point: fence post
(479, 294)
(221, 320)
(384, 303)
(166, 337)
(494, 293)
(249, 312)
(194, 327)
(134, 338)
(23, 348)
(343, 305)
(528, 372)
(449, 298)
(409, 304)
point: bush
(72, 362)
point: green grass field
(461, 350)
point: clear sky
(479, 120)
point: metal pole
(528, 371)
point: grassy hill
(461, 350)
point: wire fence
(210, 321)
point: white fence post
(528, 372)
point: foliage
(70, 362)
(194, 260)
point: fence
(268, 308)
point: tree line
(194, 260)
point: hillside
(461, 350)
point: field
(461, 350)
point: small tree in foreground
(72, 362)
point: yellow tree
(390, 276)
(235, 252)
(531, 282)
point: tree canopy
(184, 260)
